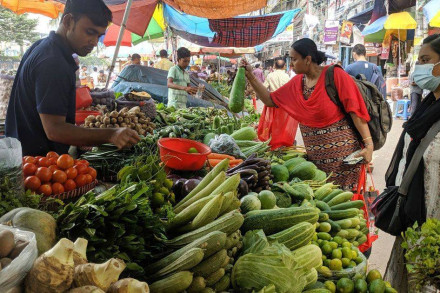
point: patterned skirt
(328, 147)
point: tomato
(57, 188)
(81, 180)
(71, 173)
(29, 159)
(53, 168)
(59, 176)
(32, 183)
(89, 178)
(52, 155)
(45, 189)
(85, 162)
(81, 168)
(44, 174)
(92, 172)
(29, 169)
(65, 162)
(43, 162)
(38, 158)
(52, 161)
(69, 185)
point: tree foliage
(17, 29)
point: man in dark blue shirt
(41, 112)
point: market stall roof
(396, 24)
(378, 9)
(224, 52)
(362, 17)
(47, 8)
(432, 12)
(241, 31)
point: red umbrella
(111, 36)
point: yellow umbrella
(400, 21)
(47, 8)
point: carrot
(220, 156)
(214, 162)
(235, 162)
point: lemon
(325, 271)
(354, 254)
(333, 244)
(373, 275)
(345, 262)
(347, 253)
(346, 244)
(193, 150)
(338, 240)
(358, 260)
(329, 285)
(326, 249)
(335, 264)
(324, 258)
(337, 253)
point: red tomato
(71, 173)
(29, 159)
(57, 188)
(44, 174)
(29, 169)
(92, 172)
(52, 155)
(59, 176)
(52, 161)
(45, 189)
(53, 168)
(32, 183)
(89, 178)
(44, 162)
(85, 162)
(81, 180)
(81, 168)
(38, 157)
(65, 162)
(69, 185)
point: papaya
(236, 97)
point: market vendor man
(41, 112)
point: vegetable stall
(198, 205)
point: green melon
(268, 199)
(280, 173)
(292, 163)
(249, 203)
(304, 171)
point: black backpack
(381, 117)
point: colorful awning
(396, 24)
(47, 8)
(432, 12)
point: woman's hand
(366, 153)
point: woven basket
(76, 192)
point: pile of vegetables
(9, 248)
(133, 118)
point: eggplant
(189, 185)
(243, 188)
(177, 188)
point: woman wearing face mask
(327, 133)
(423, 198)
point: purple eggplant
(178, 187)
(189, 185)
(243, 188)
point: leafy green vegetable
(422, 255)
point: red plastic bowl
(83, 97)
(174, 153)
(80, 116)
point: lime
(358, 260)
(338, 240)
(345, 262)
(345, 285)
(346, 244)
(335, 264)
(326, 249)
(354, 254)
(193, 150)
(324, 258)
(388, 284)
(314, 243)
(329, 285)
(358, 276)
(333, 244)
(346, 252)
(158, 199)
(373, 275)
(322, 243)
(319, 241)
(315, 237)
(377, 286)
(337, 253)
(325, 271)
(390, 290)
(326, 263)
(352, 264)
(360, 286)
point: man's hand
(366, 153)
(124, 138)
(191, 90)
(246, 65)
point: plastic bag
(225, 144)
(14, 274)
(277, 124)
(11, 175)
(361, 268)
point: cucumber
(228, 198)
(223, 284)
(343, 233)
(232, 239)
(186, 262)
(324, 236)
(362, 239)
(173, 284)
(355, 222)
(335, 226)
(357, 204)
(344, 224)
(323, 206)
(323, 217)
(208, 213)
(353, 233)
(340, 198)
(215, 277)
(332, 195)
(211, 265)
(189, 213)
(323, 191)
(197, 285)
(324, 227)
(342, 214)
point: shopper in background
(259, 74)
(94, 76)
(41, 111)
(328, 134)
(83, 74)
(164, 63)
(416, 93)
(423, 197)
(179, 84)
(135, 59)
(278, 78)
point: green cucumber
(340, 198)
(342, 214)
(348, 205)
(332, 195)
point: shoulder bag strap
(330, 86)
(417, 157)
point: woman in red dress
(328, 134)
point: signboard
(286, 36)
(346, 31)
(386, 45)
(373, 49)
(331, 31)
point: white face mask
(423, 77)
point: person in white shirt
(278, 78)
(94, 75)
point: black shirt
(44, 84)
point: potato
(19, 246)
(4, 262)
(7, 243)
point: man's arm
(190, 90)
(58, 130)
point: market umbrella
(432, 12)
(394, 24)
(111, 36)
(48, 8)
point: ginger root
(53, 270)
(129, 285)
(86, 289)
(80, 251)
(99, 275)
